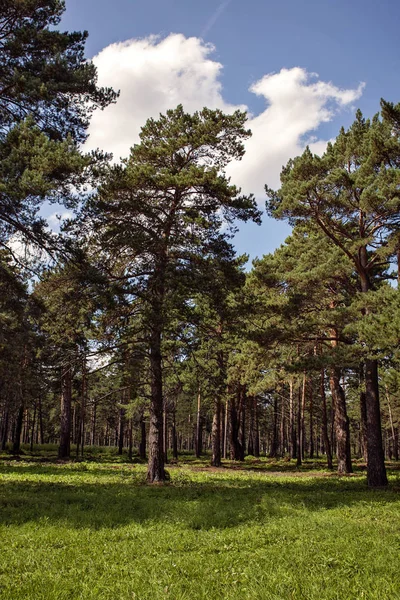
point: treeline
(138, 327)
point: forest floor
(259, 530)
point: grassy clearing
(95, 530)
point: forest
(137, 325)
(175, 421)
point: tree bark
(142, 444)
(18, 430)
(376, 471)
(64, 449)
(342, 428)
(155, 470)
(199, 426)
(216, 434)
(325, 434)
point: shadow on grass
(216, 502)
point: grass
(93, 529)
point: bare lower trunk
(216, 434)
(174, 436)
(325, 434)
(130, 439)
(376, 471)
(155, 470)
(18, 430)
(342, 428)
(199, 426)
(64, 449)
(121, 430)
(4, 431)
(142, 444)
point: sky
(299, 67)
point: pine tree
(158, 220)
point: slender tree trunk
(121, 429)
(64, 449)
(376, 471)
(256, 430)
(342, 428)
(83, 405)
(363, 415)
(155, 471)
(274, 442)
(94, 423)
(18, 430)
(174, 436)
(325, 434)
(311, 441)
(130, 439)
(142, 444)
(41, 420)
(299, 440)
(250, 442)
(216, 434)
(33, 426)
(225, 447)
(199, 426)
(392, 428)
(4, 432)
(292, 419)
(165, 431)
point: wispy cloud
(214, 18)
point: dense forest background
(137, 325)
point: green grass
(85, 530)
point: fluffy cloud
(152, 75)
(296, 106)
(156, 74)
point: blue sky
(344, 42)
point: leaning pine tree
(157, 222)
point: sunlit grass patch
(96, 530)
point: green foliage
(44, 72)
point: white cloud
(152, 75)
(296, 106)
(156, 74)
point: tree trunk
(376, 471)
(199, 426)
(292, 422)
(216, 434)
(257, 430)
(342, 428)
(64, 449)
(274, 443)
(142, 444)
(225, 448)
(18, 430)
(41, 420)
(325, 434)
(242, 413)
(250, 442)
(174, 436)
(311, 441)
(4, 431)
(155, 470)
(121, 429)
